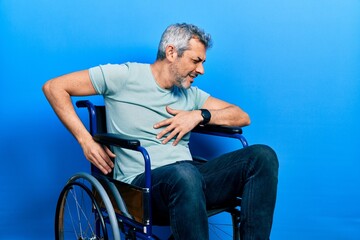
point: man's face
(186, 68)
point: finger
(109, 152)
(161, 134)
(110, 158)
(105, 161)
(98, 156)
(101, 160)
(178, 138)
(164, 132)
(102, 167)
(163, 123)
(171, 110)
(169, 137)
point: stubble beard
(180, 81)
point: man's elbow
(49, 89)
(246, 120)
(46, 88)
(243, 118)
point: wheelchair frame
(112, 200)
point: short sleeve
(110, 78)
(200, 97)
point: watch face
(206, 116)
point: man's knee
(186, 177)
(267, 158)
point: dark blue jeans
(183, 191)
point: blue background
(294, 66)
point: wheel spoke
(78, 214)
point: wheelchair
(96, 206)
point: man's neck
(161, 74)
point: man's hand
(99, 156)
(179, 125)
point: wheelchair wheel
(220, 231)
(225, 226)
(79, 215)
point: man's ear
(171, 53)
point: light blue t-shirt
(134, 103)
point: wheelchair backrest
(100, 125)
(97, 116)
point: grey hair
(179, 35)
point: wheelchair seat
(114, 209)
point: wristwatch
(206, 116)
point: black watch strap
(206, 116)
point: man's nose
(200, 69)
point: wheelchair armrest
(217, 129)
(222, 131)
(116, 140)
(133, 144)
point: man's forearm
(229, 116)
(61, 103)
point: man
(157, 104)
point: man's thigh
(179, 179)
(225, 177)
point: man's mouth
(193, 75)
